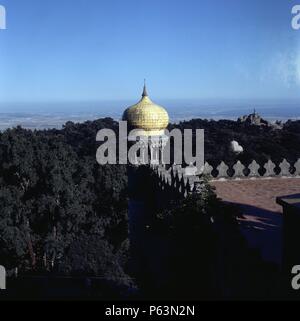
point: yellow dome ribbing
(147, 116)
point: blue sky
(80, 50)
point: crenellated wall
(184, 181)
(253, 170)
(177, 180)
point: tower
(149, 121)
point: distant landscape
(46, 116)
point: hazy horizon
(55, 115)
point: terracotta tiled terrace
(262, 217)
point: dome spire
(145, 94)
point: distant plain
(56, 114)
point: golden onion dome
(147, 116)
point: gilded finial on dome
(145, 94)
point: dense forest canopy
(61, 211)
(260, 143)
(56, 201)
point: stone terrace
(262, 220)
